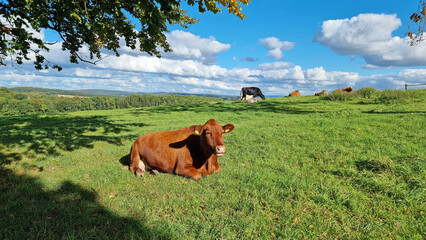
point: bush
(338, 96)
(366, 92)
(26, 107)
(8, 106)
(104, 103)
(396, 96)
(386, 96)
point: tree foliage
(97, 24)
(417, 25)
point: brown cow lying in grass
(294, 93)
(348, 89)
(322, 93)
(190, 152)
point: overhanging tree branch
(97, 24)
(416, 28)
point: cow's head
(212, 136)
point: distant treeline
(14, 103)
(111, 93)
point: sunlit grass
(294, 168)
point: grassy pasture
(299, 168)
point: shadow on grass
(41, 135)
(125, 160)
(6, 158)
(29, 211)
(291, 107)
(394, 112)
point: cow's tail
(137, 166)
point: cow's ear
(196, 129)
(228, 128)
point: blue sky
(281, 46)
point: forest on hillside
(15, 103)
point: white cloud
(413, 75)
(277, 81)
(217, 85)
(399, 54)
(186, 45)
(274, 65)
(148, 64)
(275, 47)
(282, 74)
(190, 69)
(317, 73)
(363, 34)
(370, 36)
(394, 80)
(91, 73)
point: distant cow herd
(323, 92)
(250, 94)
(191, 152)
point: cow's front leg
(188, 171)
(214, 165)
(203, 170)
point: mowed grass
(295, 168)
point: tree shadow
(29, 211)
(290, 107)
(7, 158)
(41, 135)
(394, 112)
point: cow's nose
(220, 150)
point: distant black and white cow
(254, 91)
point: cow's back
(162, 150)
(294, 93)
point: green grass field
(295, 168)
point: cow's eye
(208, 133)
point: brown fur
(348, 89)
(322, 93)
(190, 152)
(294, 93)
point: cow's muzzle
(220, 150)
